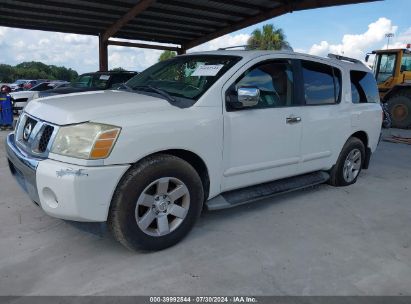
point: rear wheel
(399, 107)
(349, 164)
(156, 203)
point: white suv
(217, 129)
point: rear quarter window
(364, 87)
(322, 83)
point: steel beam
(137, 9)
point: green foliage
(118, 69)
(35, 70)
(167, 55)
(268, 38)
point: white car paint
(21, 98)
(239, 149)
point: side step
(250, 194)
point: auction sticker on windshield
(104, 77)
(207, 70)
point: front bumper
(64, 190)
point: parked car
(21, 98)
(93, 82)
(18, 84)
(217, 128)
(29, 84)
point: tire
(399, 107)
(142, 203)
(338, 174)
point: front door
(262, 142)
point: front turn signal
(104, 144)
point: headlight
(86, 140)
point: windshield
(386, 66)
(92, 81)
(184, 77)
(44, 86)
(20, 81)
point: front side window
(184, 78)
(386, 66)
(322, 83)
(363, 87)
(274, 79)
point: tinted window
(92, 81)
(274, 80)
(120, 78)
(363, 87)
(322, 83)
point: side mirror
(248, 96)
(367, 57)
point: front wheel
(156, 203)
(349, 164)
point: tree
(35, 70)
(118, 69)
(268, 38)
(167, 55)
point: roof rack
(349, 59)
(233, 47)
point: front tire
(349, 164)
(156, 203)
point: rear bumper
(64, 190)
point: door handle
(293, 119)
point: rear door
(324, 120)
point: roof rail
(233, 47)
(349, 59)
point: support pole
(181, 51)
(103, 54)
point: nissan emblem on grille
(27, 131)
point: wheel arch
(363, 136)
(194, 160)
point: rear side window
(322, 83)
(363, 87)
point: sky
(352, 30)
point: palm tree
(167, 55)
(269, 38)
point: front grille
(21, 100)
(45, 138)
(34, 136)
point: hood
(69, 90)
(93, 106)
(22, 94)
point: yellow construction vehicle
(392, 70)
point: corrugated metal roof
(182, 22)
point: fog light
(50, 198)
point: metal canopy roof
(184, 23)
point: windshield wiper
(124, 86)
(156, 90)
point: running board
(250, 194)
